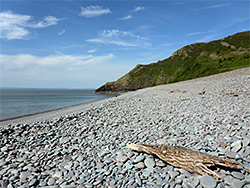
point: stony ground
(88, 149)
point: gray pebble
(231, 154)
(236, 146)
(207, 181)
(146, 173)
(191, 181)
(139, 158)
(149, 162)
(237, 183)
(32, 182)
(238, 175)
(68, 186)
(57, 174)
(51, 181)
(4, 149)
(228, 180)
(88, 185)
(140, 165)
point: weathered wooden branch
(192, 161)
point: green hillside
(192, 61)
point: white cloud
(26, 61)
(61, 32)
(126, 17)
(215, 6)
(194, 33)
(15, 26)
(96, 59)
(59, 70)
(136, 9)
(46, 22)
(120, 38)
(92, 50)
(93, 11)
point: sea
(20, 102)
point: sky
(84, 44)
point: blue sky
(84, 44)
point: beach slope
(87, 145)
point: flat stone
(4, 149)
(57, 174)
(98, 181)
(245, 142)
(88, 185)
(149, 162)
(121, 158)
(80, 186)
(191, 181)
(103, 153)
(68, 165)
(51, 181)
(236, 146)
(231, 154)
(173, 174)
(146, 173)
(32, 182)
(207, 181)
(228, 180)
(35, 158)
(140, 165)
(238, 175)
(66, 158)
(108, 160)
(178, 181)
(161, 141)
(64, 139)
(237, 183)
(139, 158)
(68, 186)
(80, 158)
(160, 163)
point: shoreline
(51, 114)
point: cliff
(191, 61)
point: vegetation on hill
(192, 61)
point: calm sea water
(20, 102)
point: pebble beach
(86, 145)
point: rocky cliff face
(191, 61)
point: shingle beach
(86, 145)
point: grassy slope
(192, 61)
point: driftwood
(192, 161)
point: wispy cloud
(92, 50)
(93, 11)
(15, 26)
(194, 33)
(126, 17)
(26, 61)
(96, 59)
(214, 6)
(58, 70)
(136, 9)
(120, 38)
(61, 32)
(46, 22)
